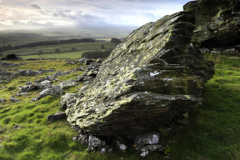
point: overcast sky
(40, 14)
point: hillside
(170, 90)
(211, 134)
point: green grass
(49, 51)
(213, 132)
(77, 54)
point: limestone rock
(95, 142)
(52, 90)
(147, 138)
(150, 148)
(69, 83)
(2, 100)
(68, 100)
(13, 99)
(217, 22)
(152, 77)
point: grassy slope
(32, 52)
(213, 132)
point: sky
(43, 14)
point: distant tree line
(97, 54)
(44, 43)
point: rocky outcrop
(155, 75)
(217, 22)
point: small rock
(69, 83)
(103, 150)
(46, 83)
(144, 139)
(53, 90)
(3, 87)
(28, 83)
(2, 100)
(56, 116)
(120, 144)
(13, 99)
(150, 148)
(74, 138)
(168, 156)
(50, 78)
(17, 127)
(1, 146)
(22, 94)
(110, 150)
(75, 128)
(95, 142)
(83, 139)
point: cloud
(62, 13)
(36, 6)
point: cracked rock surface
(156, 74)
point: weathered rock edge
(217, 22)
(155, 75)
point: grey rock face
(68, 100)
(155, 75)
(46, 83)
(217, 22)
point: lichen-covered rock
(155, 75)
(68, 100)
(217, 22)
(52, 90)
(69, 83)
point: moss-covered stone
(153, 76)
(217, 21)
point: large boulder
(217, 22)
(155, 75)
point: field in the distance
(65, 50)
